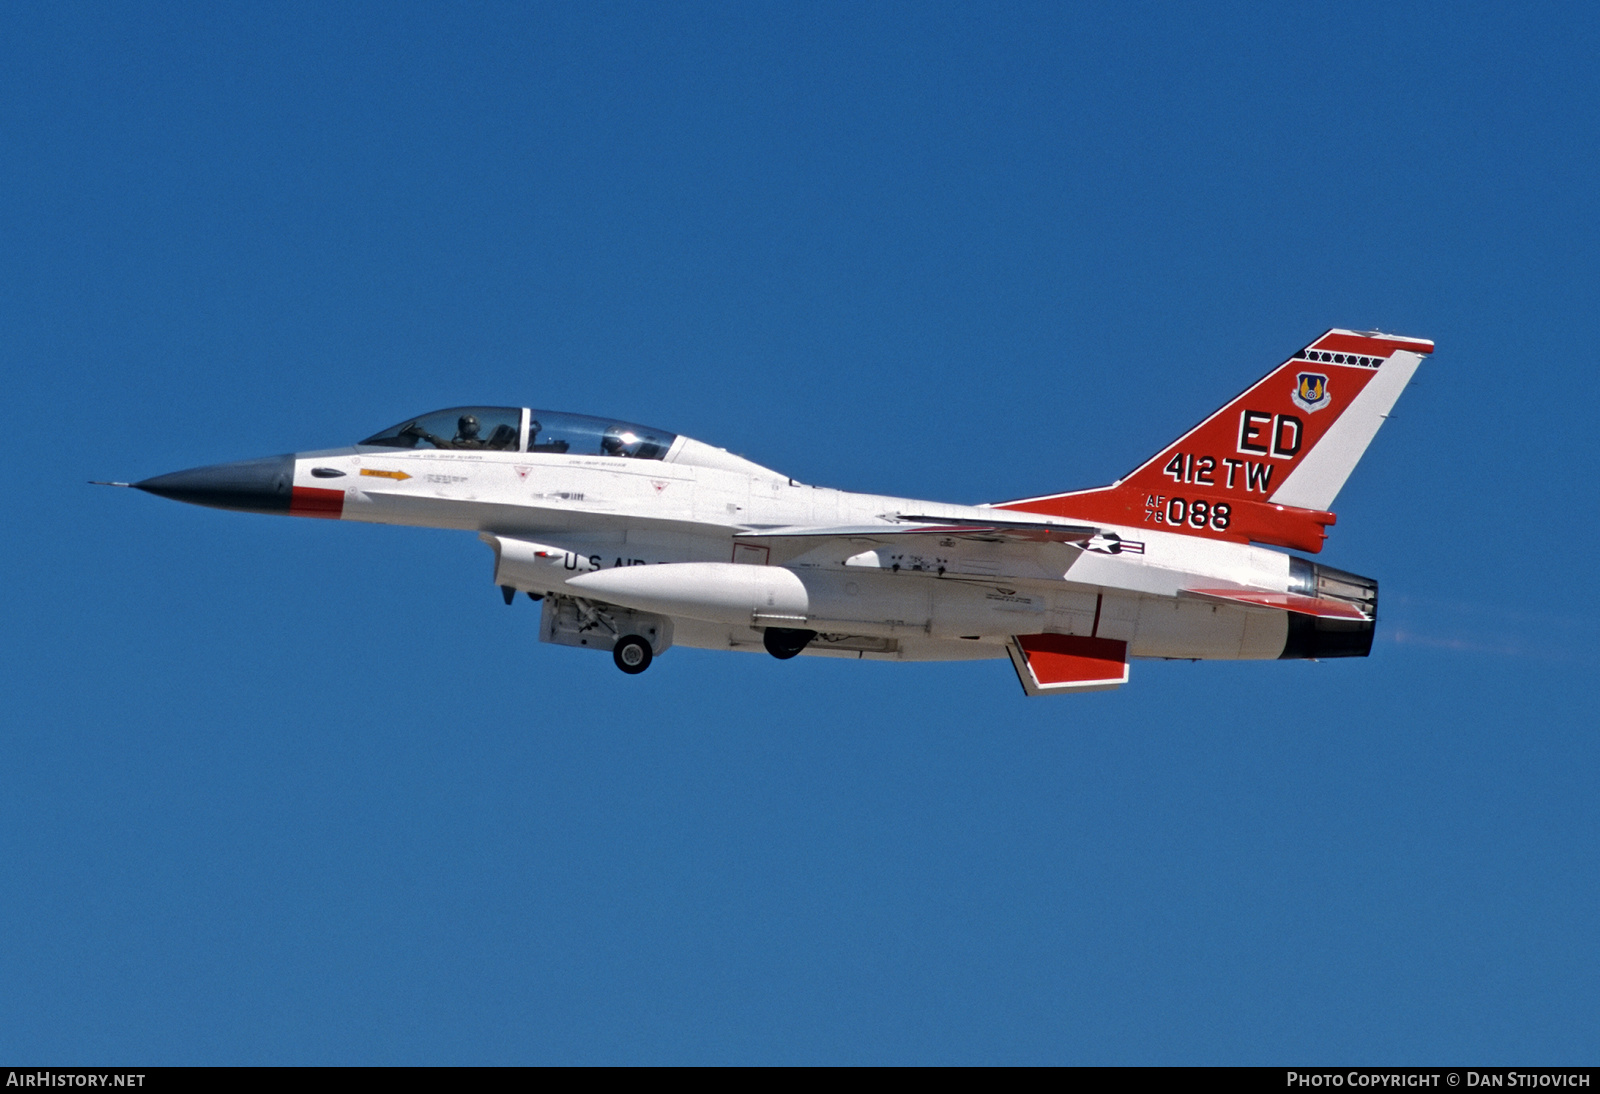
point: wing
(984, 531)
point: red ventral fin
(1049, 663)
(1224, 479)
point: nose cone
(253, 486)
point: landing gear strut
(784, 643)
(632, 654)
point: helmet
(618, 441)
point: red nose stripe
(311, 501)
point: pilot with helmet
(467, 435)
(619, 441)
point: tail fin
(1267, 465)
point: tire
(784, 643)
(632, 654)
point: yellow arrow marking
(398, 476)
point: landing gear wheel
(784, 643)
(632, 654)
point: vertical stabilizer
(1321, 474)
(1266, 466)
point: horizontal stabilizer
(1321, 607)
(1049, 663)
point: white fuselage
(867, 597)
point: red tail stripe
(1249, 520)
(1370, 345)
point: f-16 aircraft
(633, 539)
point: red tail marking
(1246, 521)
(1215, 480)
(1370, 345)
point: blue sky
(289, 791)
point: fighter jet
(633, 539)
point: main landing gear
(632, 654)
(784, 643)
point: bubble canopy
(519, 429)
